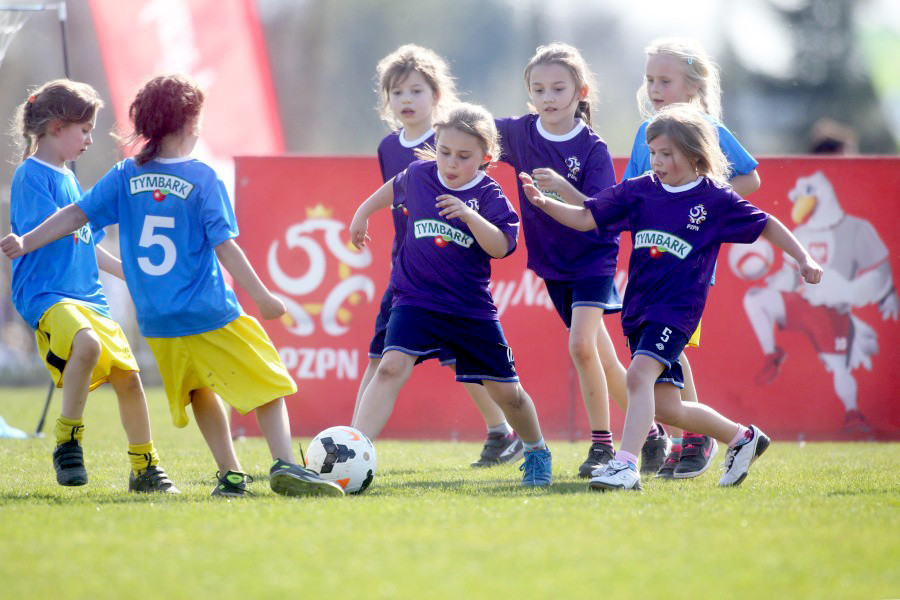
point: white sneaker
(616, 475)
(738, 459)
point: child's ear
(55, 126)
(583, 92)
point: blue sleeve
(31, 202)
(217, 216)
(634, 167)
(739, 160)
(503, 129)
(101, 202)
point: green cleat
(289, 479)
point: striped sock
(142, 456)
(601, 436)
(744, 435)
(654, 432)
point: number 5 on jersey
(150, 238)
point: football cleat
(598, 455)
(152, 479)
(537, 468)
(616, 475)
(738, 459)
(697, 454)
(289, 479)
(68, 460)
(500, 448)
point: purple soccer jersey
(395, 153)
(440, 265)
(676, 234)
(555, 251)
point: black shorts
(663, 343)
(599, 292)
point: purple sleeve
(400, 181)
(598, 172)
(610, 209)
(497, 209)
(503, 128)
(742, 222)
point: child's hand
(271, 307)
(534, 195)
(358, 229)
(12, 246)
(451, 207)
(810, 270)
(548, 180)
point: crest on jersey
(473, 204)
(697, 216)
(574, 166)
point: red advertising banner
(811, 362)
(219, 44)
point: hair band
(31, 99)
(690, 60)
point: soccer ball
(343, 455)
(751, 261)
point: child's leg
(86, 351)
(583, 347)
(377, 402)
(491, 413)
(369, 373)
(612, 368)
(641, 381)
(132, 405)
(693, 416)
(518, 408)
(213, 423)
(275, 427)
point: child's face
(554, 94)
(459, 156)
(412, 100)
(669, 163)
(666, 83)
(70, 140)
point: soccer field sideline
(812, 520)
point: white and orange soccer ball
(345, 456)
(751, 261)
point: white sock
(503, 428)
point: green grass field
(811, 521)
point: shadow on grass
(490, 487)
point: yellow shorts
(238, 362)
(57, 329)
(694, 342)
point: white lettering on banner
(321, 363)
(528, 291)
(167, 184)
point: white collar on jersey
(682, 188)
(413, 143)
(579, 125)
(475, 181)
(64, 170)
(172, 161)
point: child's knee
(127, 382)
(582, 349)
(509, 396)
(86, 347)
(393, 366)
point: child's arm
(780, 236)
(744, 185)
(233, 259)
(489, 237)
(550, 181)
(382, 198)
(109, 263)
(57, 225)
(575, 217)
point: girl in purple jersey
(678, 217)
(458, 220)
(415, 87)
(556, 145)
(680, 70)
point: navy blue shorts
(664, 344)
(479, 345)
(376, 346)
(600, 292)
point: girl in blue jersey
(678, 216)
(680, 70)
(57, 289)
(177, 231)
(557, 146)
(415, 87)
(457, 220)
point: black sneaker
(152, 479)
(68, 460)
(289, 479)
(697, 453)
(667, 471)
(500, 448)
(598, 455)
(654, 451)
(232, 484)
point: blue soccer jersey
(63, 270)
(555, 251)
(739, 160)
(676, 234)
(395, 153)
(172, 213)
